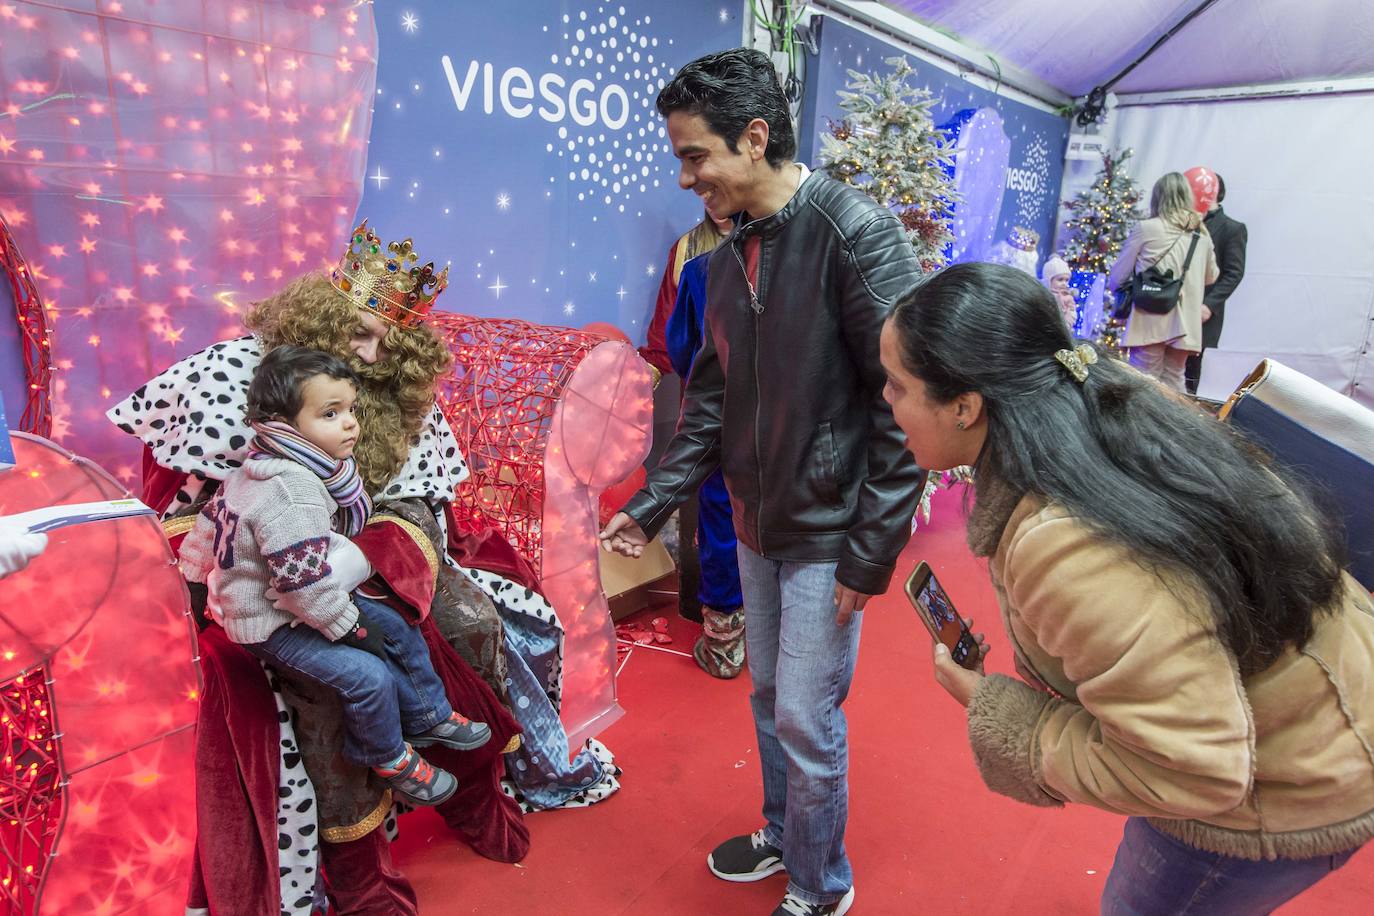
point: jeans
(1157, 875)
(1162, 362)
(801, 664)
(380, 699)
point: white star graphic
(621, 293)
(591, 277)
(503, 201)
(409, 22)
(569, 308)
(497, 286)
(724, 15)
(651, 270)
(379, 177)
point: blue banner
(518, 143)
(1010, 155)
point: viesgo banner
(518, 143)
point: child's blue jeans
(381, 700)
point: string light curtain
(164, 164)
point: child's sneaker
(419, 783)
(457, 732)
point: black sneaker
(791, 906)
(745, 858)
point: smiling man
(786, 398)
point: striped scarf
(275, 439)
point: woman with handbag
(1168, 261)
(1193, 654)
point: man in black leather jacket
(1229, 238)
(786, 397)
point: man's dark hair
(1221, 189)
(278, 387)
(729, 89)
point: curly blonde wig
(397, 391)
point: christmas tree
(1102, 216)
(889, 148)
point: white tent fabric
(1297, 174)
(1078, 45)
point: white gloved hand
(18, 546)
(348, 567)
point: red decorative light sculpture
(98, 697)
(548, 418)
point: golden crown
(385, 282)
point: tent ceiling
(1077, 45)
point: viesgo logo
(597, 89)
(618, 79)
(516, 91)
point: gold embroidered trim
(363, 827)
(512, 745)
(418, 536)
(172, 527)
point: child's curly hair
(397, 391)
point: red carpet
(924, 835)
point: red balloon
(1205, 187)
(612, 498)
(607, 330)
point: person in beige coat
(1192, 652)
(1161, 344)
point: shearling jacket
(1152, 717)
(1155, 242)
(785, 396)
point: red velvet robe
(238, 741)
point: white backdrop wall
(1299, 173)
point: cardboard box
(634, 584)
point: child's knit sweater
(268, 526)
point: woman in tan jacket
(1161, 344)
(1193, 654)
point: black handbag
(1153, 290)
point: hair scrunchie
(1077, 361)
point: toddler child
(272, 525)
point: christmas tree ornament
(890, 148)
(1101, 216)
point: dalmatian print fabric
(192, 419)
(298, 841)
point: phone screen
(944, 621)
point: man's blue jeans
(801, 664)
(1157, 875)
(380, 699)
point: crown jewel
(386, 281)
(1024, 239)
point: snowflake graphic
(1033, 204)
(409, 22)
(609, 48)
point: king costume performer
(270, 773)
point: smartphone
(941, 619)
